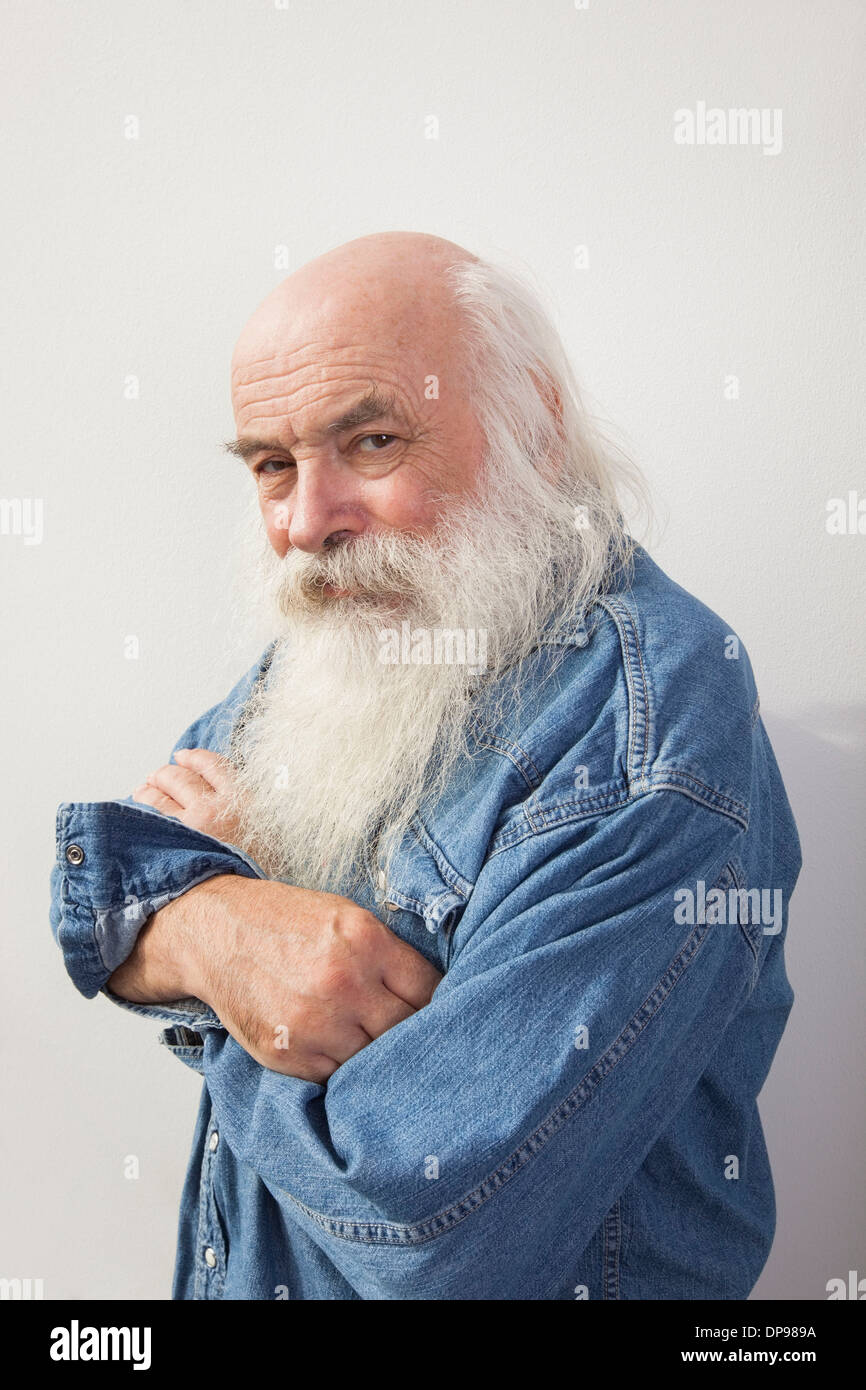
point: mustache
(373, 566)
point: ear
(549, 393)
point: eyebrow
(375, 405)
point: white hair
(526, 398)
(338, 751)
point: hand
(302, 980)
(196, 792)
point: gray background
(267, 134)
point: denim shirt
(574, 1115)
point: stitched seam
(631, 690)
(711, 795)
(453, 880)
(612, 1237)
(209, 870)
(524, 764)
(615, 795)
(514, 834)
(638, 693)
(605, 1228)
(740, 882)
(118, 807)
(646, 717)
(713, 801)
(406, 1234)
(403, 900)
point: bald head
(350, 395)
(397, 276)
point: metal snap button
(209, 1258)
(213, 1141)
(75, 854)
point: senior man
(469, 901)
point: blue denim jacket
(605, 887)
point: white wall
(302, 127)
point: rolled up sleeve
(119, 862)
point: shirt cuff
(117, 865)
(189, 1012)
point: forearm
(302, 980)
(166, 962)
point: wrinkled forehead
(383, 329)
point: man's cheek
(277, 518)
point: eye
(388, 439)
(272, 466)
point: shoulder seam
(639, 711)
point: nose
(322, 503)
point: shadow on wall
(812, 1104)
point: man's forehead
(320, 382)
(376, 403)
(307, 352)
(324, 336)
(285, 336)
(324, 377)
(343, 300)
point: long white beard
(367, 704)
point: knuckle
(361, 929)
(337, 979)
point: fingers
(318, 1058)
(343, 1045)
(215, 769)
(382, 1011)
(181, 785)
(410, 975)
(305, 1066)
(317, 1069)
(386, 959)
(151, 796)
(196, 772)
(328, 1031)
(309, 1067)
(320, 1070)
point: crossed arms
(568, 933)
(301, 979)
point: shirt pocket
(421, 896)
